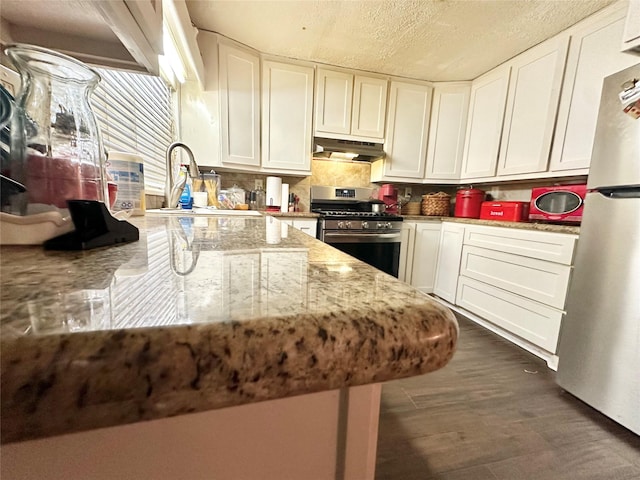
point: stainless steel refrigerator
(599, 345)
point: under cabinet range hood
(350, 150)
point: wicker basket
(436, 204)
(411, 208)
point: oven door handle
(352, 237)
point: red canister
(468, 202)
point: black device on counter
(94, 227)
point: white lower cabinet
(513, 281)
(407, 241)
(517, 280)
(448, 265)
(306, 225)
(538, 280)
(425, 255)
(419, 247)
(519, 315)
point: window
(135, 114)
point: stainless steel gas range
(348, 223)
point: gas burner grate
(347, 213)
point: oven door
(380, 250)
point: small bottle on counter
(253, 204)
(261, 198)
(292, 201)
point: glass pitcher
(55, 150)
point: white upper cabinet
(594, 53)
(532, 105)
(447, 131)
(200, 107)
(369, 106)
(484, 125)
(631, 35)
(287, 103)
(334, 94)
(350, 106)
(239, 80)
(407, 131)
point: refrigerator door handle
(629, 192)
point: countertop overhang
(201, 313)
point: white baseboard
(550, 358)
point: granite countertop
(201, 313)
(540, 226)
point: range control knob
(365, 225)
(347, 224)
(340, 224)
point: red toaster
(505, 211)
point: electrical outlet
(258, 184)
(407, 191)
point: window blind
(135, 115)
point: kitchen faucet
(173, 191)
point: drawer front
(537, 280)
(553, 247)
(527, 319)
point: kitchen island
(205, 320)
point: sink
(203, 211)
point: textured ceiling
(435, 40)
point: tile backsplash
(327, 172)
(357, 174)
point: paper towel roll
(273, 230)
(274, 191)
(284, 198)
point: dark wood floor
(496, 413)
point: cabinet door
(425, 256)
(538, 280)
(334, 93)
(287, 103)
(407, 130)
(369, 106)
(631, 35)
(407, 241)
(550, 246)
(530, 320)
(239, 106)
(308, 226)
(448, 266)
(532, 104)
(484, 126)
(594, 54)
(446, 132)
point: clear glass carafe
(56, 148)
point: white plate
(32, 229)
